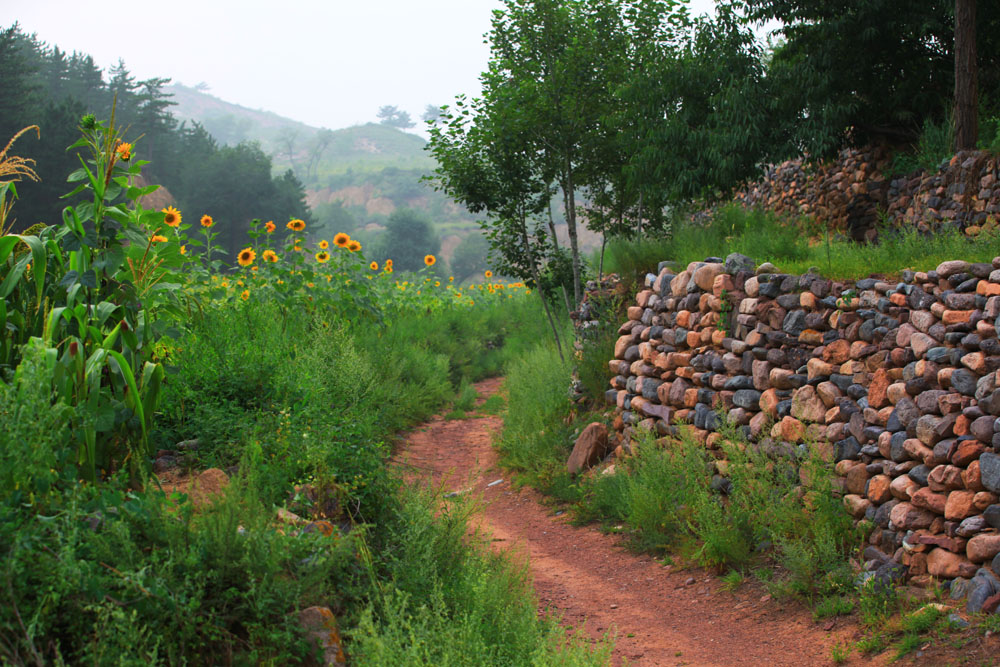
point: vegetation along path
(660, 616)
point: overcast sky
(328, 63)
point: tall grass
(797, 246)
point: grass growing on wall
(796, 247)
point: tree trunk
(639, 229)
(600, 266)
(538, 286)
(966, 76)
(571, 224)
(552, 228)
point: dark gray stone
(992, 516)
(846, 449)
(919, 474)
(795, 323)
(747, 398)
(989, 467)
(736, 262)
(964, 381)
(739, 382)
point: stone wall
(852, 194)
(898, 383)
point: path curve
(660, 616)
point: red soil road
(658, 615)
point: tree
(966, 76)
(431, 113)
(320, 142)
(471, 257)
(395, 117)
(866, 70)
(408, 237)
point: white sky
(328, 63)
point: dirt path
(660, 616)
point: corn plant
(93, 293)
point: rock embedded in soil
(590, 447)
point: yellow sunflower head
(269, 226)
(245, 295)
(323, 245)
(341, 240)
(206, 221)
(323, 257)
(171, 216)
(296, 225)
(388, 268)
(354, 245)
(488, 274)
(388, 263)
(429, 260)
(124, 151)
(246, 257)
(158, 238)
(270, 256)
(373, 266)
(184, 249)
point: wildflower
(310, 285)
(246, 257)
(172, 217)
(184, 249)
(239, 283)
(323, 257)
(297, 248)
(488, 274)
(373, 266)
(124, 151)
(451, 279)
(341, 240)
(296, 225)
(437, 283)
(269, 226)
(280, 281)
(429, 260)
(270, 256)
(206, 221)
(323, 245)
(158, 238)
(354, 245)
(245, 295)
(253, 268)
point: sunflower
(172, 217)
(246, 257)
(429, 260)
(323, 245)
(388, 263)
(158, 238)
(451, 279)
(323, 257)
(206, 221)
(269, 226)
(296, 225)
(373, 266)
(388, 268)
(488, 274)
(269, 256)
(124, 151)
(184, 249)
(245, 295)
(354, 245)
(437, 283)
(341, 240)
(310, 285)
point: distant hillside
(314, 153)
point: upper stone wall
(851, 193)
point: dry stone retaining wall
(897, 382)
(851, 193)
